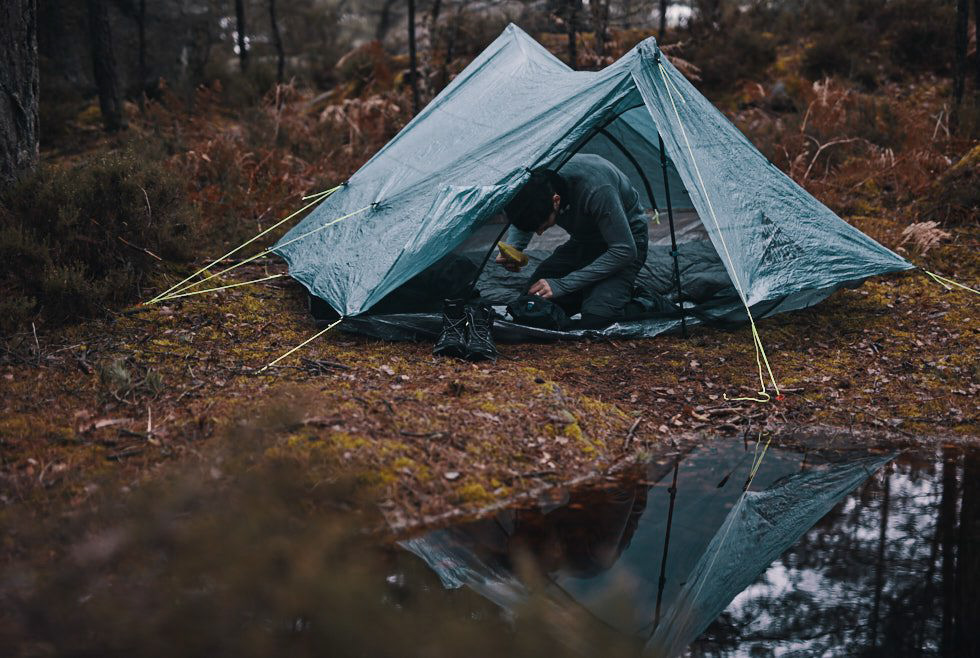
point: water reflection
(818, 557)
(891, 571)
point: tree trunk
(976, 56)
(600, 24)
(434, 14)
(141, 24)
(413, 66)
(571, 23)
(104, 66)
(18, 88)
(968, 560)
(277, 42)
(959, 65)
(240, 34)
(451, 46)
(384, 20)
(663, 20)
(947, 529)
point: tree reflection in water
(892, 570)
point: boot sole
(480, 356)
(453, 352)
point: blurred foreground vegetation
(247, 554)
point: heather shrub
(76, 240)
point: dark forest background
(141, 133)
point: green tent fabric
(515, 108)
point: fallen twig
(631, 433)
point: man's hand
(541, 289)
(507, 263)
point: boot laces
(455, 325)
(480, 327)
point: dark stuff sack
(539, 312)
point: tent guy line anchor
(760, 352)
(320, 196)
(301, 345)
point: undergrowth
(77, 239)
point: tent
(665, 576)
(747, 236)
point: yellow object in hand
(513, 254)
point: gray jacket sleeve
(605, 205)
(518, 238)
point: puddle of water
(825, 554)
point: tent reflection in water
(722, 538)
(420, 217)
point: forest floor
(105, 406)
(108, 404)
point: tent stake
(673, 236)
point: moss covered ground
(110, 403)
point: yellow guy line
(317, 199)
(760, 352)
(230, 285)
(757, 462)
(949, 283)
(263, 253)
(304, 343)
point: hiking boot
(452, 340)
(479, 337)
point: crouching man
(595, 270)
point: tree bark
(18, 88)
(571, 24)
(600, 24)
(959, 62)
(240, 34)
(384, 20)
(413, 66)
(277, 42)
(976, 56)
(663, 20)
(104, 66)
(451, 45)
(141, 24)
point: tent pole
(663, 560)
(486, 258)
(673, 236)
(636, 165)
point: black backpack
(538, 312)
